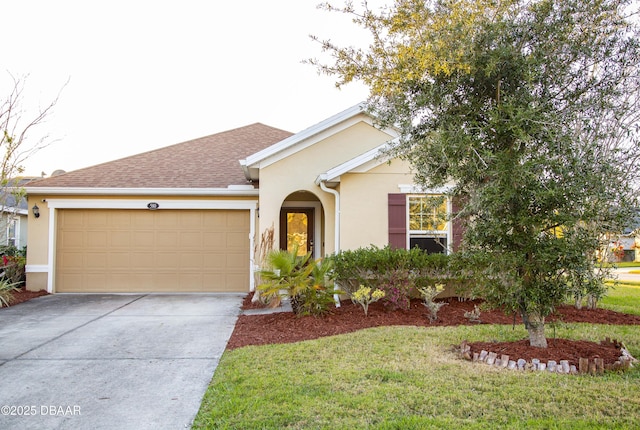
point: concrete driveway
(105, 361)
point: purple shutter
(457, 227)
(398, 221)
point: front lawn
(407, 377)
(623, 297)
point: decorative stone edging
(585, 365)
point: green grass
(623, 264)
(408, 378)
(623, 297)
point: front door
(296, 228)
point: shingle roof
(207, 162)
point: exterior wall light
(36, 211)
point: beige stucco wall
(37, 244)
(300, 170)
(363, 196)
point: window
(11, 232)
(428, 225)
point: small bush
(13, 265)
(6, 290)
(397, 286)
(364, 296)
(307, 282)
(428, 296)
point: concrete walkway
(105, 361)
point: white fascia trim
(231, 191)
(10, 210)
(36, 268)
(163, 204)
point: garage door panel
(237, 240)
(137, 260)
(120, 239)
(211, 239)
(216, 219)
(72, 218)
(143, 239)
(96, 260)
(72, 239)
(238, 222)
(167, 239)
(235, 261)
(71, 260)
(190, 220)
(119, 259)
(190, 240)
(191, 260)
(141, 219)
(141, 251)
(97, 220)
(120, 219)
(214, 260)
(96, 239)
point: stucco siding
(364, 214)
(300, 170)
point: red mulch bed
(285, 327)
(23, 295)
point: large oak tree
(530, 109)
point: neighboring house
(189, 217)
(13, 214)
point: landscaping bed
(285, 327)
(23, 295)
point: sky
(136, 75)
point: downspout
(336, 195)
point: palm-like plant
(287, 274)
(6, 288)
(307, 282)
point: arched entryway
(301, 224)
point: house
(190, 217)
(13, 213)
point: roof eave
(237, 190)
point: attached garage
(109, 250)
(176, 219)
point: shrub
(364, 296)
(474, 315)
(397, 286)
(377, 267)
(6, 290)
(428, 295)
(13, 264)
(307, 282)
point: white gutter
(233, 190)
(336, 195)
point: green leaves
(529, 107)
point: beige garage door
(147, 251)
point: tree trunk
(578, 302)
(535, 326)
